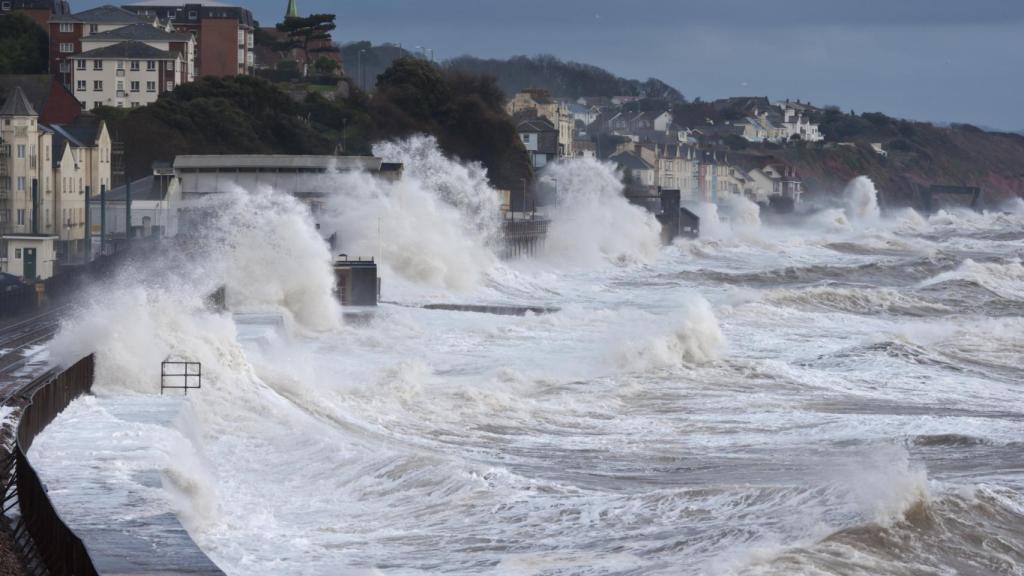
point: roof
(17, 104)
(130, 49)
(255, 162)
(147, 188)
(139, 31)
(106, 14)
(82, 133)
(536, 125)
(631, 161)
(177, 3)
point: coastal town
(276, 298)
(65, 193)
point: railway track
(17, 341)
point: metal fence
(53, 547)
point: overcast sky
(940, 60)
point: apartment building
(126, 75)
(68, 30)
(223, 34)
(45, 173)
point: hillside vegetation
(560, 78)
(918, 154)
(248, 115)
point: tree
(311, 34)
(23, 46)
(325, 65)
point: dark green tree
(23, 46)
(311, 34)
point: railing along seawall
(51, 546)
(52, 542)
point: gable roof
(106, 14)
(139, 31)
(127, 49)
(17, 104)
(536, 125)
(631, 161)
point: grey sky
(941, 60)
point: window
(80, 64)
(97, 85)
(120, 64)
(150, 65)
(150, 86)
(21, 218)
(67, 47)
(134, 65)
(67, 27)
(21, 182)
(170, 66)
(135, 104)
(120, 85)
(82, 86)
(94, 28)
(192, 15)
(134, 85)
(97, 64)
(170, 85)
(65, 66)
(17, 251)
(21, 150)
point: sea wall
(43, 535)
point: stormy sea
(840, 392)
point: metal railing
(187, 372)
(40, 533)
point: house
(584, 148)
(540, 138)
(649, 121)
(46, 172)
(224, 34)
(638, 173)
(773, 181)
(67, 31)
(126, 74)
(798, 126)
(38, 10)
(537, 102)
(582, 113)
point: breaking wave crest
(592, 223)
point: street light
(361, 71)
(523, 180)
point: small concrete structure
(30, 256)
(358, 284)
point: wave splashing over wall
(592, 222)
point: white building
(126, 74)
(45, 171)
(153, 36)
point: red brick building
(39, 10)
(67, 31)
(223, 33)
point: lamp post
(523, 180)
(362, 75)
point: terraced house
(46, 172)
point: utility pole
(103, 219)
(361, 71)
(127, 210)
(88, 230)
